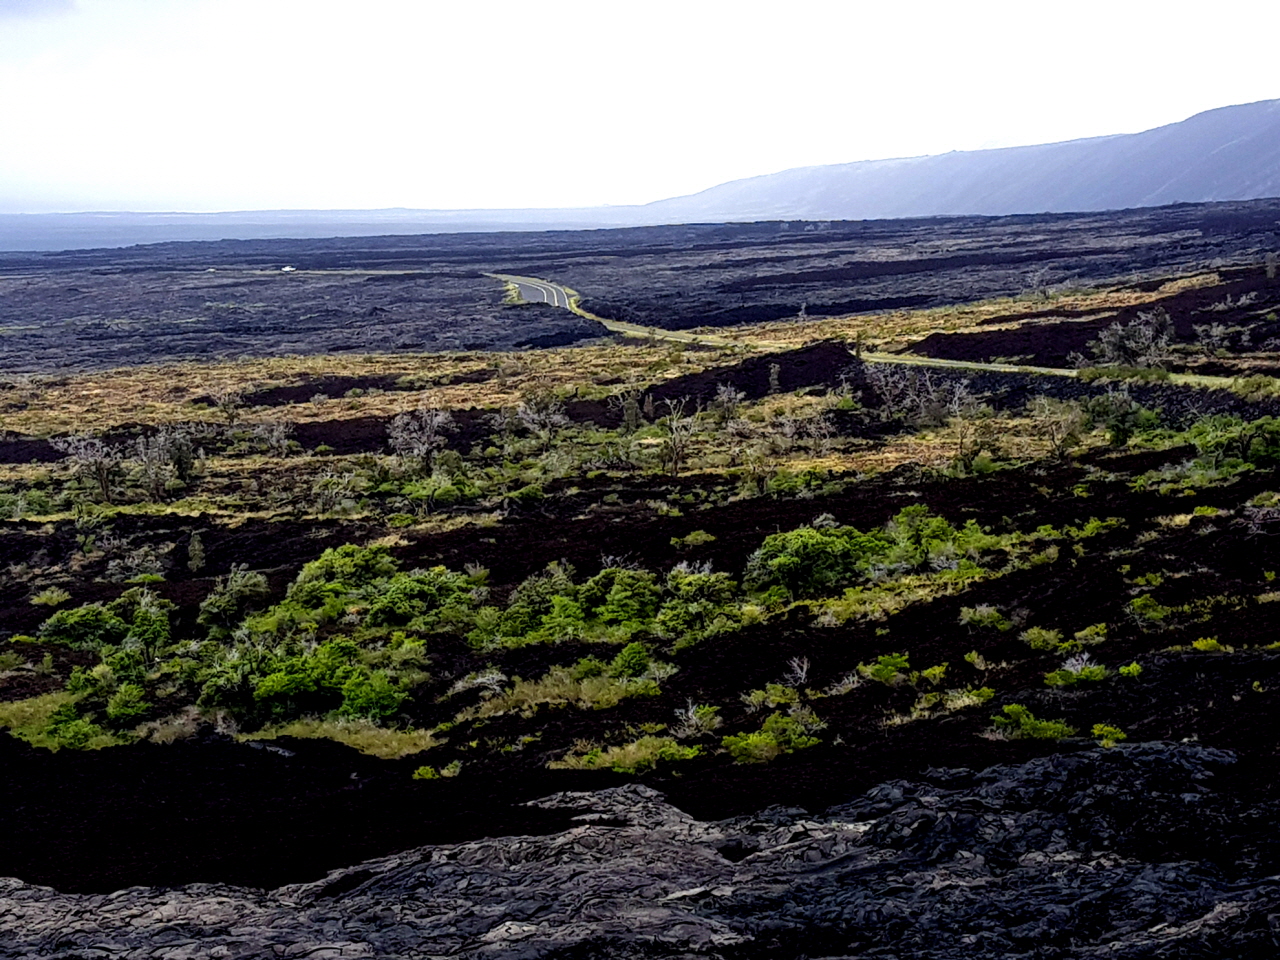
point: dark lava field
(555, 645)
(96, 309)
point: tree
(541, 412)
(155, 467)
(627, 400)
(727, 402)
(679, 430)
(1143, 342)
(235, 595)
(273, 436)
(418, 435)
(1060, 421)
(967, 419)
(1120, 414)
(914, 395)
(229, 400)
(96, 461)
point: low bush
(235, 595)
(1079, 669)
(362, 735)
(1108, 736)
(432, 773)
(1210, 645)
(51, 597)
(985, 617)
(638, 756)
(890, 669)
(773, 695)
(1038, 638)
(580, 686)
(84, 628)
(780, 733)
(1018, 721)
(1147, 609)
(698, 538)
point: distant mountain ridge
(1231, 153)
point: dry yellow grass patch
(153, 395)
(898, 329)
(368, 738)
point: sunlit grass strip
(369, 738)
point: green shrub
(1226, 442)
(1131, 670)
(566, 620)
(890, 669)
(423, 599)
(631, 661)
(236, 594)
(1108, 736)
(1094, 633)
(348, 565)
(773, 695)
(698, 538)
(526, 496)
(1018, 721)
(127, 704)
(812, 562)
(431, 773)
(699, 605)
(639, 756)
(985, 616)
(1038, 638)
(781, 733)
(937, 702)
(1146, 607)
(1079, 669)
(621, 597)
(697, 719)
(1120, 415)
(371, 696)
(51, 597)
(76, 734)
(1210, 645)
(67, 728)
(932, 674)
(531, 601)
(84, 628)
(310, 683)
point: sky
(206, 105)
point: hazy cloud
(323, 104)
(10, 9)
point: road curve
(543, 291)
(537, 291)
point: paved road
(543, 291)
(538, 291)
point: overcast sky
(262, 104)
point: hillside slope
(1232, 153)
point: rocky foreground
(1124, 853)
